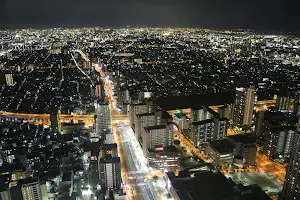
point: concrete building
(278, 142)
(208, 130)
(226, 111)
(123, 97)
(206, 125)
(291, 187)
(103, 118)
(159, 135)
(139, 108)
(163, 158)
(146, 119)
(31, 189)
(108, 149)
(283, 103)
(205, 183)
(110, 172)
(244, 106)
(221, 151)
(259, 119)
(182, 120)
(245, 147)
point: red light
(159, 149)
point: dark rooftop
(222, 146)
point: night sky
(260, 15)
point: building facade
(244, 106)
(110, 172)
(291, 187)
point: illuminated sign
(159, 148)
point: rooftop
(222, 146)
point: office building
(278, 141)
(291, 187)
(103, 118)
(245, 148)
(163, 158)
(244, 106)
(159, 135)
(9, 80)
(221, 151)
(206, 183)
(31, 189)
(110, 172)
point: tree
(177, 142)
(155, 178)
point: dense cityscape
(149, 113)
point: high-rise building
(123, 96)
(244, 106)
(138, 108)
(182, 120)
(283, 103)
(146, 119)
(278, 142)
(103, 118)
(159, 135)
(9, 80)
(291, 187)
(259, 119)
(31, 189)
(206, 125)
(110, 172)
(208, 130)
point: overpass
(45, 118)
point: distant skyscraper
(103, 118)
(110, 172)
(291, 187)
(244, 106)
(9, 80)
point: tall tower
(291, 187)
(245, 100)
(103, 118)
